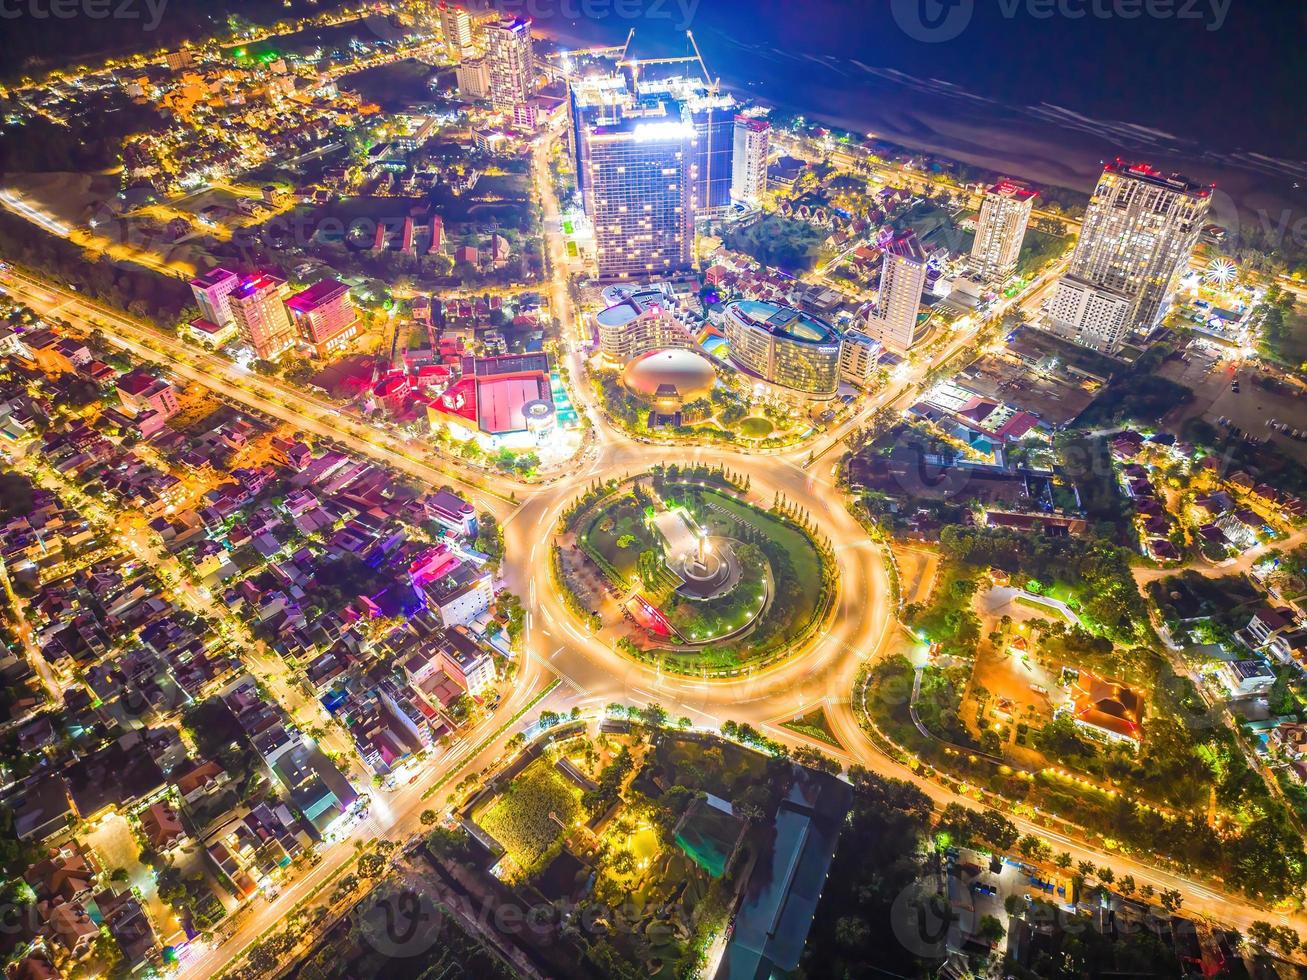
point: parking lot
(1250, 409)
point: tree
(427, 818)
(1145, 892)
(751, 805)
(852, 932)
(1126, 886)
(1063, 860)
(371, 865)
(1286, 938)
(990, 929)
(1031, 846)
(1171, 899)
(1106, 875)
(1086, 868)
(1261, 934)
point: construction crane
(713, 83)
(697, 58)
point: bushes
(522, 819)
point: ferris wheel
(1221, 272)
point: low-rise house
(1107, 708)
(66, 874)
(162, 827)
(1247, 678)
(1265, 626)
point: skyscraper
(1001, 229)
(1139, 231)
(652, 154)
(456, 30)
(511, 61)
(902, 280)
(749, 159)
(212, 291)
(258, 306)
(638, 194)
(324, 316)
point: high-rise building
(511, 61)
(638, 194)
(749, 161)
(652, 154)
(456, 30)
(324, 316)
(785, 347)
(859, 355)
(1139, 230)
(212, 291)
(473, 78)
(1001, 229)
(258, 305)
(712, 116)
(902, 280)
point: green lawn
(756, 428)
(814, 725)
(795, 568)
(616, 536)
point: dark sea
(1041, 89)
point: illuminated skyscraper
(324, 316)
(1001, 229)
(902, 281)
(749, 160)
(258, 305)
(1139, 231)
(511, 61)
(652, 154)
(456, 30)
(638, 194)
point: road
(591, 673)
(1236, 566)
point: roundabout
(679, 569)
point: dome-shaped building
(670, 378)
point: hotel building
(784, 347)
(1001, 230)
(510, 61)
(258, 306)
(902, 280)
(324, 316)
(1138, 234)
(749, 164)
